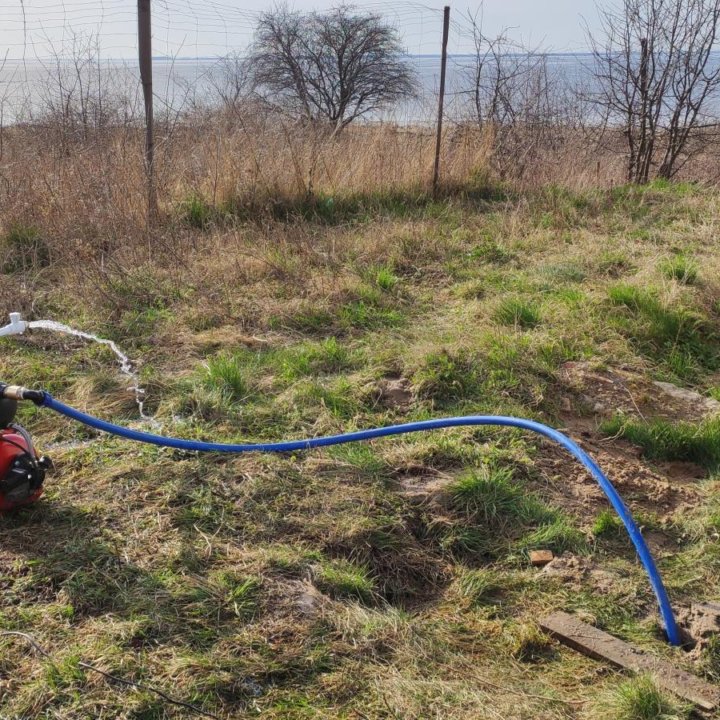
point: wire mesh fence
(511, 113)
(90, 48)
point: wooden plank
(598, 644)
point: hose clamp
(17, 392)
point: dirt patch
(215, 339)
(579, 572)
(298, 596)
(395, 394)
(592, 393)
(661, 489)
(607, 391)
(699, 624)
(423, 487)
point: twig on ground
(129, 683)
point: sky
(207, 28)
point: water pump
(22, 471)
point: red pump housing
(22, 472)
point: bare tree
(654, 75)
(337, 66)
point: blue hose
(471, 420)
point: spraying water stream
(126, 366)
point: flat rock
(707, 405)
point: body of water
(29, 89)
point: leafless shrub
(82, 95)
(515, 100)
(654, 74)
(232, 82)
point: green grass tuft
(327, 356)
(228, 375)
(490, 495)
(343, 579)
(518, 313)
(386, 279)
(607, 524)
(676, 336)
(663, 440)
(197, 212)
(446, 376)
(639, 699)
(681, 268)
(559, 536)
(481, 586)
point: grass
(324, 357)
(343, 579)
(559, 535)
(229, 376)
(503, 513)
(482, 586)
(667, 331)
(24, 248)
(197, 212)
(385, 279)
(663, 440)
(447, 376)
(640, 699)
(374, 579)
(607, 525)
(490, 496)
(519, 313)
(681, 268)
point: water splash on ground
(126, 366)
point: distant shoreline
(210, 58)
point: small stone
(538, 558)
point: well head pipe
(17, 325)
